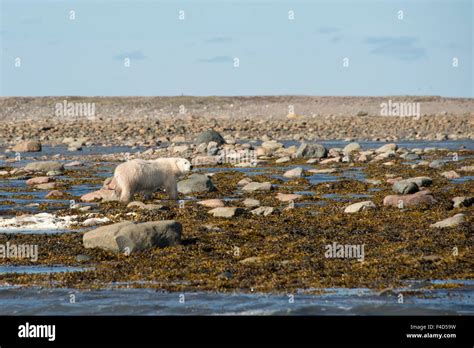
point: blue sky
(277, 56)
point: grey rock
(257, 186)
(83, 258)
(405, 187)
(411, 156)
(311, 151)
(45, 166)
(263, 211)
(129, 236)
(436, 164)
(196, 183)
(208, 136)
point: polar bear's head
(183, 165)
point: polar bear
(140, 176)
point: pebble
(265, 211)
(251, 203)
(287, 197)
(451, 174)
(450, 222)
(257, 186)
(294, 173)
(459, 202)
(356, 207)
(212, 203)
(283, 160)
(226, 212)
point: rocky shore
(255, 215)
(150, 121)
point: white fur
(140, 176)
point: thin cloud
(216, 59)
(404, 48)
(328, 30)
(132, 55)
(219, 40)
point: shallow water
(39, 269)
(129, 301)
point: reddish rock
(100, 195)
(56, 194)
(421, 197)
(47, 186)
(39, 180)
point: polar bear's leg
(171, 188)
(126, 195)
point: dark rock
(311, 151)
(209, 135)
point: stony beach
(269, 194)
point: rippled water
(127, 301)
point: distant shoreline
(143, 120)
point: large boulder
(28, 146)
(209, 135)
(129, 236)
(196, 183)
(311, 151)
(45, 167)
